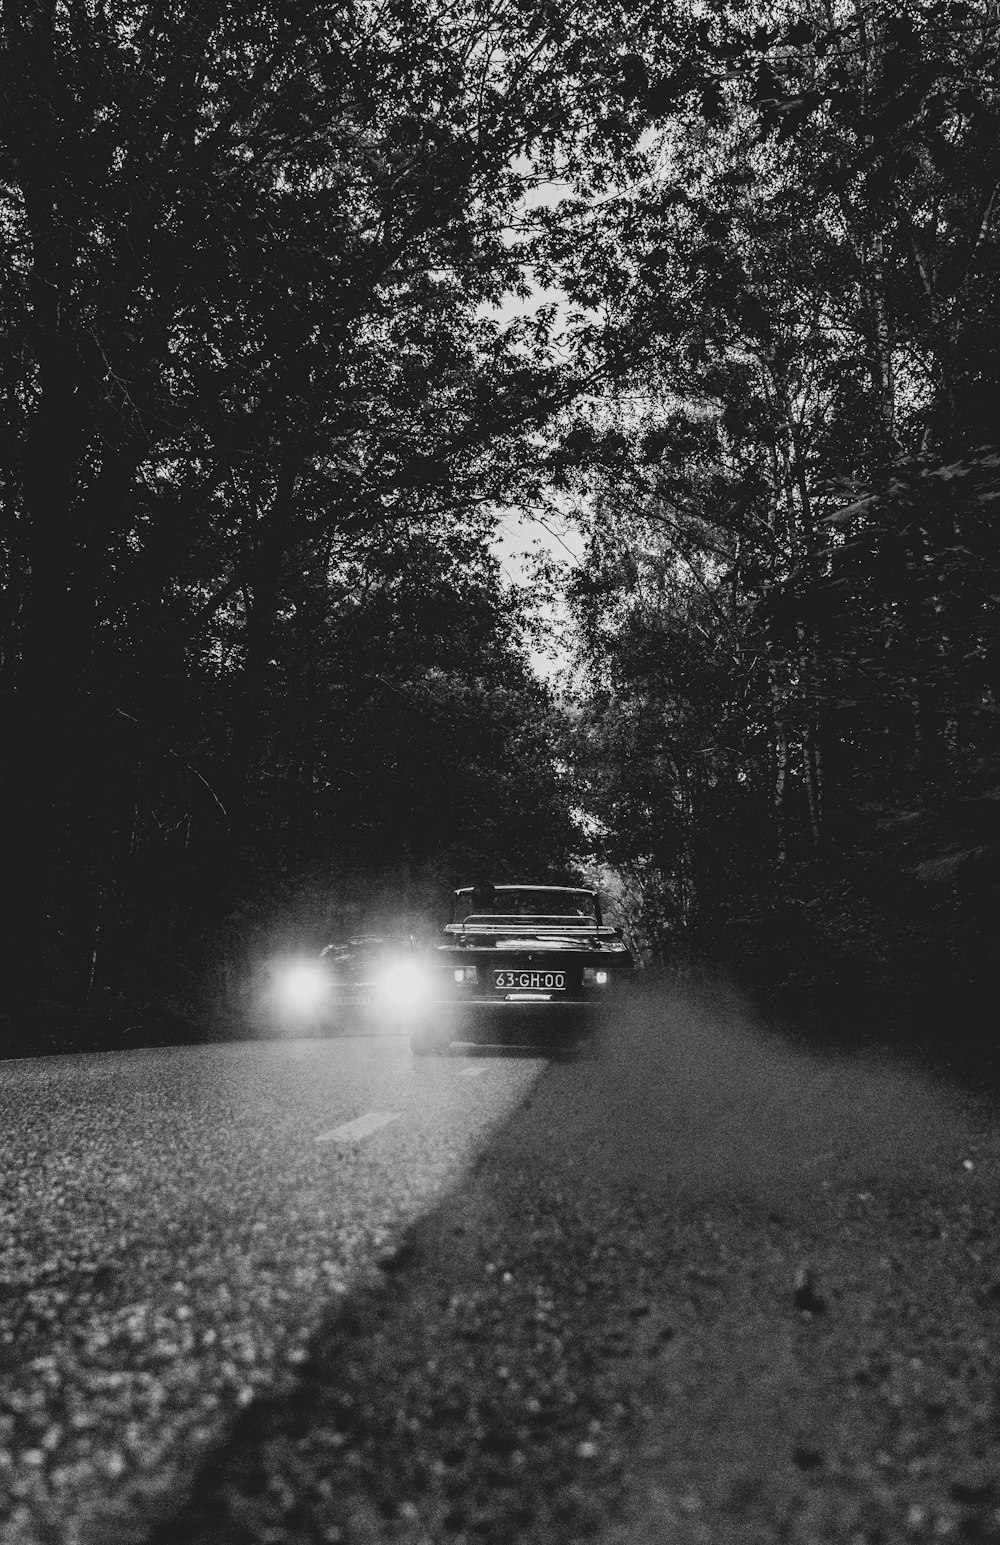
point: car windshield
(367, 946)
(525, 901)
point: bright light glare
(405, 984)
(601, 977)
(303, 985)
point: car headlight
(405, 984)
(595, 974)
(302, 985)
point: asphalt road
(702, 1288)
(175, 1225)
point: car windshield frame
(568, 904)
(368, 946)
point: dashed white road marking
(361, 1126)
(472, 1073)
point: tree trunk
(779, 782)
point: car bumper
(505, 1021)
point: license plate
(537, 981)
(356, 1000)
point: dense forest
(300, 302)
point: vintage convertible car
(521, 964)
(366, 984)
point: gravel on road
(707, 1288)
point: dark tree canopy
(790, 603)
(296, 301)
(247, 378)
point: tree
(795, 304)
(243, 256)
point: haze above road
(704, 1287)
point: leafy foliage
(788, 608)
(262, 399)
(247, 380)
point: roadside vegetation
(294, 305)
(790, 605)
